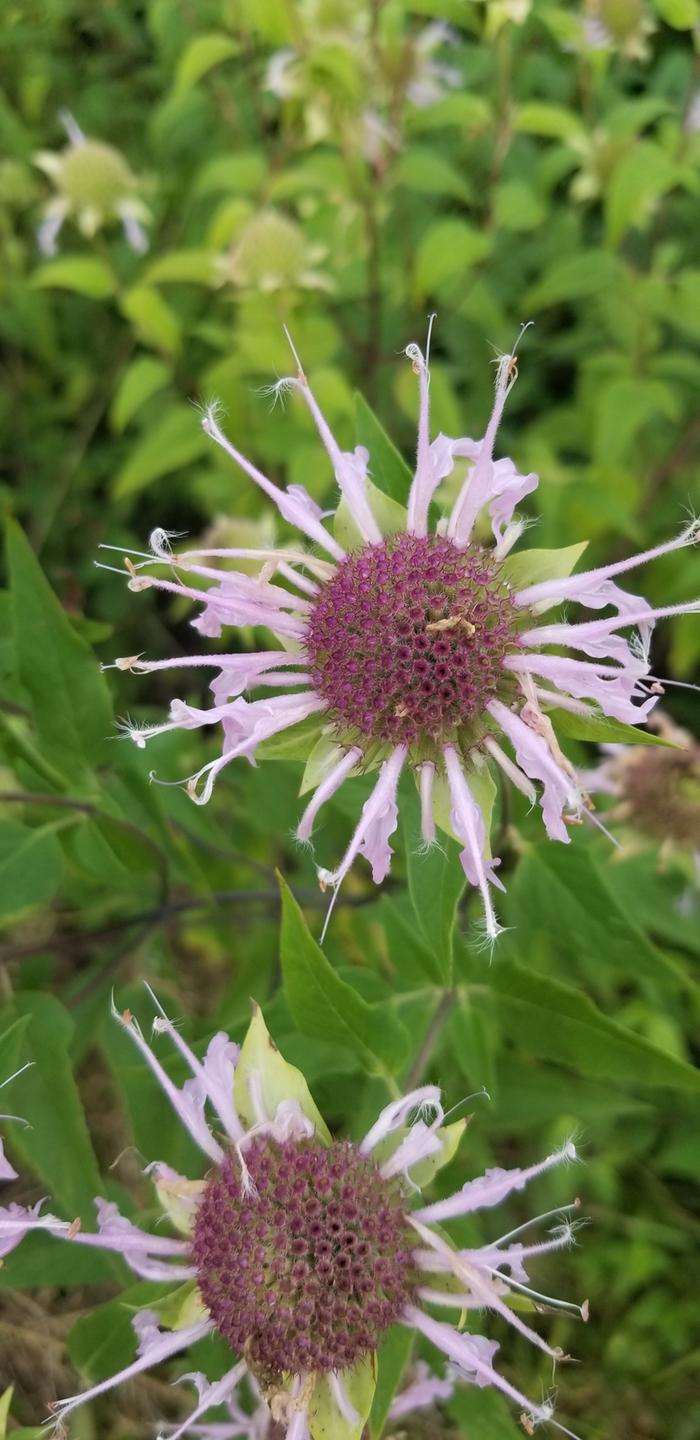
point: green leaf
(387, 466)
(681, 14)
(389, 515)
(324, 1419)
(55, 1145)
(624, 408)
(175, 440)
(70, 702)
(31, 867)
(152, 318)
(429, 173)
(552, 1021)
(242, 173)
(551, 121)
(83, 274)
(643, 175)
(103, 1342)
(392, 1358)
(574, 278)
(324, 1006)
(200, 56)
(195, 267)
(482, 1414)
(530, 567)
(278, 1080)
(143, 378)
(562, 895)
(604, 731)
(465, 109)
(436, 883)
(5, 1403)
(448, 249)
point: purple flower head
(302, 1251)
(408, 646)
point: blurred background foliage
(343, 167)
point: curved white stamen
(426, 774)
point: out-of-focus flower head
(405, 642)
(657, 790)
(331, 75)
(271, 252)
(302, 1252)
(623, 26)
(94, 186)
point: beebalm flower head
(657, 791)
(272, 253)
(409, 646)
(302, 1251)
(94, 186)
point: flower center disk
(406, 641)
(308, 1269)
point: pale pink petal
(597, 637)
(154, 1347)
(16, 1221)
(473, 1354)
(188, 1103)
(614, 688)
(587, 586)
(267, 720)
(211, 1395)
(349, 467)
(477, 488)
(535, 759)
(378, 821)
(515, 775)
(215, 1075)
(490, 1189)
(395, 1115)
(325, 790)
(292, 507)
(508, 487)
(468, 825)
(6, 1170)
(424, 1389)
(421, 1142)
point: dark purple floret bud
(406, 641)
(309, 1270)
